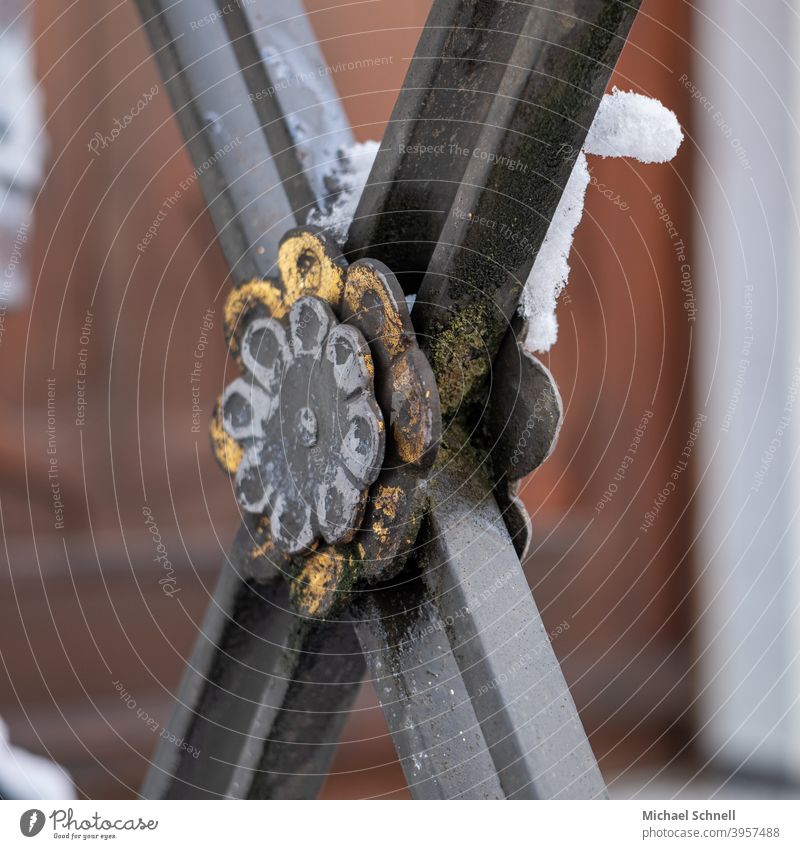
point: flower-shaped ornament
(310, 428)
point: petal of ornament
(339, 507)
(245, 407)
(292, 528)
(349, 354)
(309, 322)
(253, 488)
(363, 445)
(266, 353)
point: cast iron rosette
(331, 429)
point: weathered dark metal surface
(302, 741)
(503, 650)
(450, 88)
(523, 413)
(428, 708)
(513, 85)
(513, 91)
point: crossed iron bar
(473, 695)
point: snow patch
(630, 124)
(626, 124)
(351, 178)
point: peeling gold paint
(315, 588)
(381, 531)
(244, 298)
(361, 279)
(410, 431)
(226, 449)
(306, 268)
(387, 498)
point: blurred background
(676, 575)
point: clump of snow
(551, 269)
(626, 124)
(351, 177)
(630, 124)
(27, 776)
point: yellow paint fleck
(362, 279)
(387, 499)
(306, 268)
(245, 297)
(316, 584)
(226, 449)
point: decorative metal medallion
(330, 430)
(309, 425)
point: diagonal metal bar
(260, 159)
(482, 204)
(448, 94)
(264, 692)
(428, 708)
(477, 152)
(503, 650)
